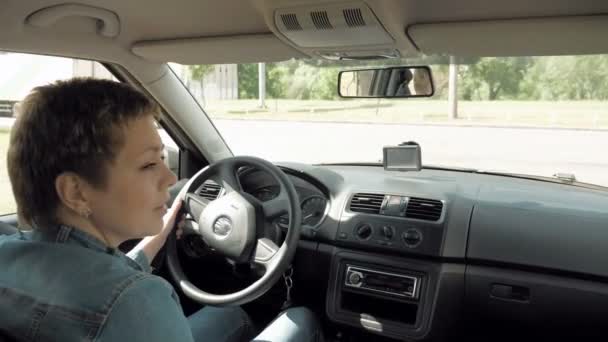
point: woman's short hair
(67, 126)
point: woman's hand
(169, 220)
(151, 245)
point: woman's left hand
(170, 217)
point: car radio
(401, 285)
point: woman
(87, 172)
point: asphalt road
(521, 150)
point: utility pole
(262, 84)
(453, 89)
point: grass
(566, 114)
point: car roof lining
(236, 31)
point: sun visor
(217, 50)
(518, 37)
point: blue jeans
(232, 324)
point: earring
(85, 212)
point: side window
(19, 74)
(171, 151)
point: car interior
(379, 255)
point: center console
(391, 296)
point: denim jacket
(65, 285)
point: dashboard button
(364, 231)
(412, 237)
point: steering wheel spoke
(227, 176)
(276, 206)
(195, 205)
(264, 252)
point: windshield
(528, 115)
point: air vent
(424, 209)
(366, 203)
(321, 20)
(210, 190)
(353, 17)
(324, 25)
(290, 21)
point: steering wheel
(233, 225)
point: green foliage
(536, 78)
(493, 78)
(326, 84)
(197, 72)
(292, 79)
(313, 83)
(275, 80)
(567, 78)
(248, 80)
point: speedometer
(313, 210)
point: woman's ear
(70, 190)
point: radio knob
(355, 278)
(412, 237)
(364, 231)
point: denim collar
(64, 234)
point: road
(522, 150)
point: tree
(276, 80)
(198, 72)
(498, 77)
(567, 78)
(312, 82)
(248, 80)
(326, 84)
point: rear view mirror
(394, 82)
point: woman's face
(132, 203)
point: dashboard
(439, 244)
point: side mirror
(393, 82)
